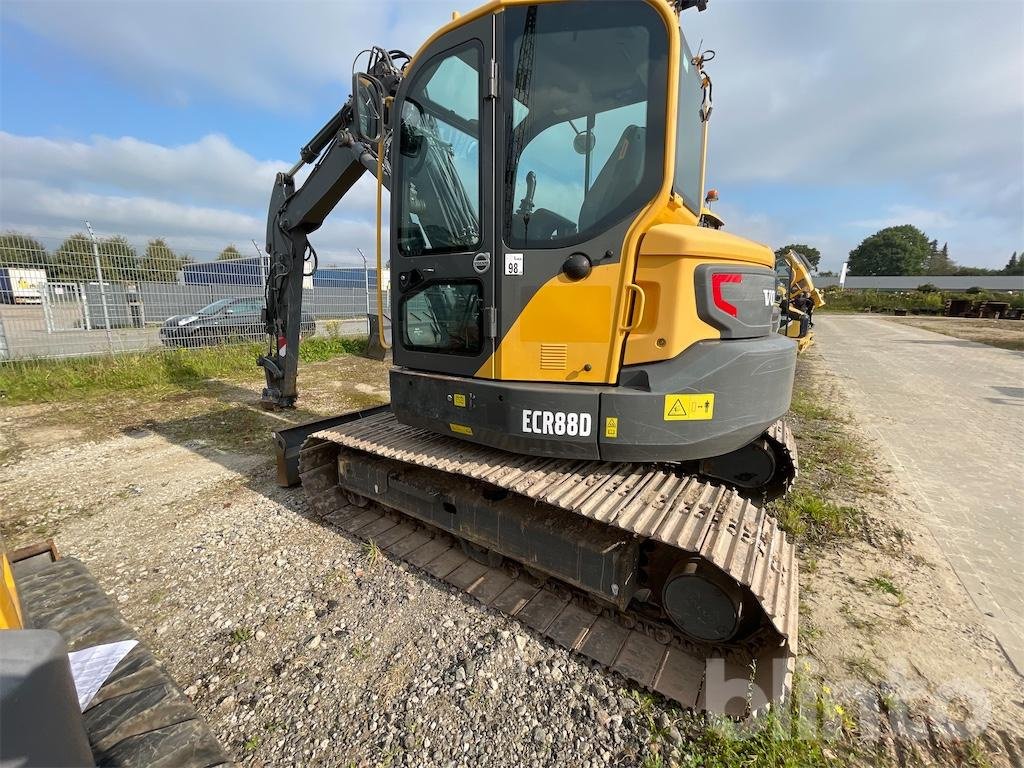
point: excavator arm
(339, 159)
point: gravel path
(299, 644)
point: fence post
(103, 292)
(366, 285)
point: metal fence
(93, 296)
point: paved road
(951, 412)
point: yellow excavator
(587, 388)
(797, 298)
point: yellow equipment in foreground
(797, 297)
(50, 608)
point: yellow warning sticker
(611, 426)
(460, 400)
(461, 429)
(699, 407)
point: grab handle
(638, 306)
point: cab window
(438, 162)
(584, 135)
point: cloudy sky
(832, 118)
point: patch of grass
(47, 381)
(251, 744)
(360, 651)
(885, 585)
(241, 635)
(372, 552)
(864, 668)
(807, 405)
(806, 515)
(772, 742)
(645, 710)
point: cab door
(580, 155)
(442, 222)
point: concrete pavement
(951, 413)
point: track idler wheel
(705, 604)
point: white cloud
(200, 196)
(922, 218)
(270, 54)
(828, 95)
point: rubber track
(671, 667)
(139, 717)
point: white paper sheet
(90, 667)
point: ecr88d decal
(570, 424)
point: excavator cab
(556, 288)
(553, 293)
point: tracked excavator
(587, 388)
(793, 279)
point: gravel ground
(298, 643)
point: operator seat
(619, 177)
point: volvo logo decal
(482, 262)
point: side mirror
(368, 107)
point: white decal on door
(514, 264)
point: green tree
(159, 263)
(20, 250)
(74, 259)
(122, 258)
(1015, 266)
(229, 253)
(901, 250)
(813, 255)
(938, 261)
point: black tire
(139, 717)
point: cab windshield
(584, 135)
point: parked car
(234, 319)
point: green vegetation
(926, 299)
(809, 517)
(901, 250)
(372, 552)
(724, 744)
(42, 381)
(241, 635)
(906, 250)
(885, 585)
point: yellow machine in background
(797, 297)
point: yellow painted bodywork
(562, 312)
(800, 282)
(10, 607)
(669, 256)
(594, 319)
